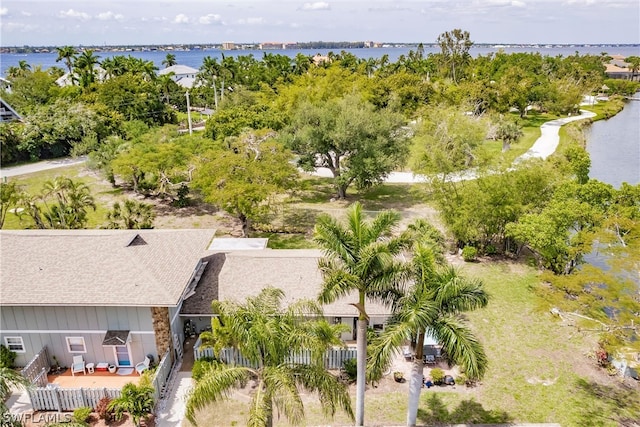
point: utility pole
(189, 114)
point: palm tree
(131, 215)
(85, 67)
(266, 335)
(9, 379)
(433, 306)
(68, 54)
(137, 400)
(361, 256)
(169, 60)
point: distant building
(8, 114)
(617, 68)
(183, 75)
(271, 45)
(320, 59)
(228, 45)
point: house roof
(99, 267)
(178, 70)
(295, 271)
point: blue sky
(97, 22)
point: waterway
(193, 58)
(614, 146)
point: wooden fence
(37, 369)
(333, 359)
(68, 399)
(161, 376)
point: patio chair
(429, 359)
(78, 366)
(407, 353)
(143, 366)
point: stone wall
(162, 330)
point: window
(76, 345)
(15, 344)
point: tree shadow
(619, 403)
(467, 411)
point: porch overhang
(114, 338)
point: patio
(96, 380)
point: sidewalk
(41, 166)
(173, 410)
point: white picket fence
(68, 399)
(51, 398)
(333, 358)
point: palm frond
(338, 282)
(214, 386)
(382, 225)
(383, 348)
(260, 411)
(333, 394)
(456, 294)
(461, 345)
(335, 241)
(281, 386)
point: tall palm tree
(169, 60)
(433, 306)
(85, 67)
(363, 257)
(68, 54)
(266, 335)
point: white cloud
(23, 13)
(252, 21)
(517, 3)
(210, 19)
(4, 11)
(318, 5)
(74, 14)
(109, 16)
(181, 18)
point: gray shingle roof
(98, 267)
(295, 271)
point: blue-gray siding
(40, 326)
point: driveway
(41, 166)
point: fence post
(56, 399)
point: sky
(138, 22)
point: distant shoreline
(302, 46)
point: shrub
(469, 253)
(81, 415)
(490, 250)
(351, 368)
(201, 366)
(7, 357)
(104, 413)
(437, 375)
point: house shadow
(618, 402)
(467, 412)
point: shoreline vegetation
(527, 227)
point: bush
(81, 415)
(201, 366)
(437, 375)
(490, 250)
(351, 368)
(104, 413)
(469, 253)
(7, 357)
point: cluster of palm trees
(364, 258)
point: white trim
(84, 345)
(6, 341)
(115, 356)
(66, 331)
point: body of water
(614, 146)
(193, 58)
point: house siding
(40, 326)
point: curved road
(544, 146)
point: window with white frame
(15, 344)
(76, 345)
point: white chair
(143, 366)
(78, 366)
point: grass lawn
(540, 371)
(102, 192)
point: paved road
(41, 166)
(544, 146)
